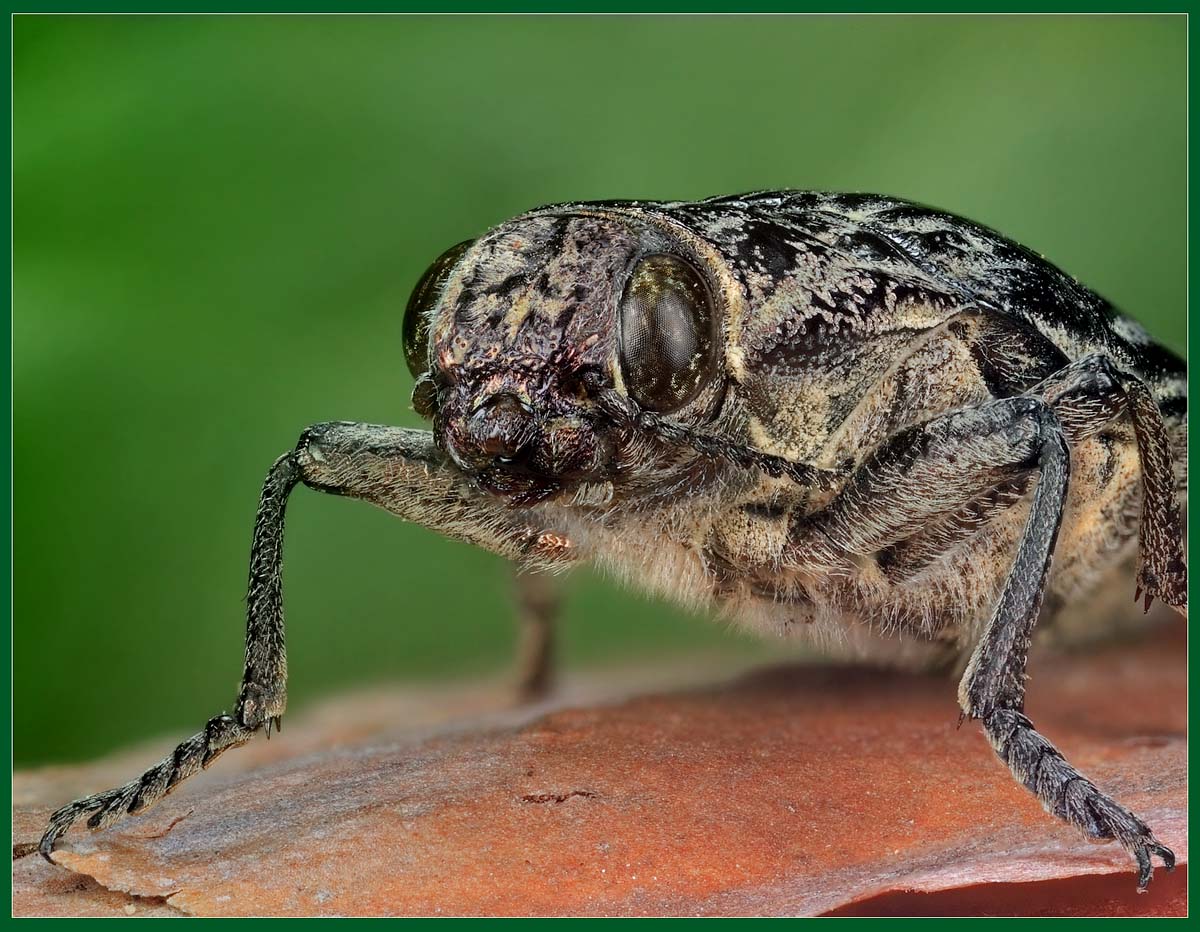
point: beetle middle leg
(1089, 395)
(538, 602)
(398, 470)
(931, 471)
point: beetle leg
(920, 475)
(262, 693)
(538, 603)
(993, 686)
(1088, 395)
(394, 468)
(928, 471)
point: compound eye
(421, 305)
(667, 333)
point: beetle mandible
(844, 416)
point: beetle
(842, 416)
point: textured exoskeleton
(843, 416)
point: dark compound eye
(421, 304)
(667, 333)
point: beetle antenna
(625, 410)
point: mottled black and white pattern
(909, 437)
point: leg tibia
(263, 694)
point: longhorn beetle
(837, 415)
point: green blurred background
(218, 221)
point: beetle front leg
(394, 468)
(261, 697)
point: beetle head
(536, 346)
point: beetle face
(515, 338)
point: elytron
(845, 417)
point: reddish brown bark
(799, 790)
